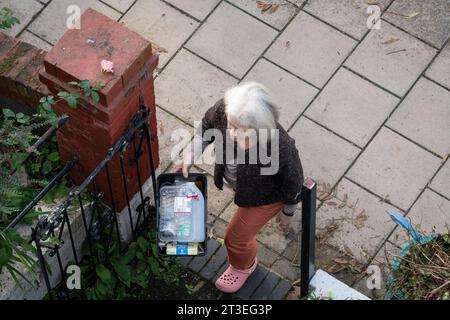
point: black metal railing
(307, 245)
(99, 220)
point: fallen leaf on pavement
(335, 268)
(296, 282)
(158, 48)
(358, 222)
(348, 251)
(392, 40)
(411, 15)
(294, 294)
(340, 261)
(211, 233)
(198, 286)
(267, 7)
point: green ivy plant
(117, 271)
(84, 88)
(17, 137)
(7, 19)
(87, 90)
(14, 251)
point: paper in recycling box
(181, 214)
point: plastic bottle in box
(181, 213)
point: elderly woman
(259, 196)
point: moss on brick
(21, 50)
(8, 63)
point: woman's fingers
(187, 163)
(182, 167)
(185, 170)
(178, 168)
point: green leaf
(54, 241)
(8, 113)
(154, 250)
(95, 96)
(47, 106)
(28, 219)
(140, 256)
(124, 273)
(72, 101)
(23, 119)
(47, 167)
(103, 273)
(99, 85)
(131, 253)
(59, 191)
(143, 244)
(121, 292)
(14, 236)
(54, 156)
(19, 115)
(17, 159)
(5, 257)
(154, 265)
(63, 94)
(140, 279)
(35, 167)
(85, 84)
(101, 289)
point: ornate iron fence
(99, 220)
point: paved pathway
(369, 109)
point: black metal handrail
(307, 246)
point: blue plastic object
(417, 238)
(406, 224)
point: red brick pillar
(94, 127)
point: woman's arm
(292, 180)
(208, 122)
(199, 144)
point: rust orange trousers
(240, 235)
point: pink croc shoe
(233, 279)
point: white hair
(251, 105)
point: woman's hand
(284, 222)
(185, 164)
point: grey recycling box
(181, 211)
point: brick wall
(20, 64)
